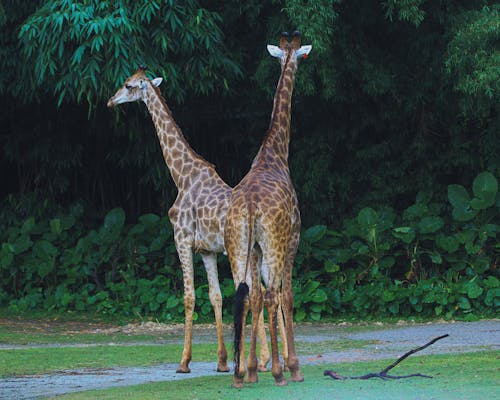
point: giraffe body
(197, 215)
(264, 217)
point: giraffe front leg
(186, 258)
(264, 348)
(210, 262)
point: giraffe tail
(239, 305)
(242, 292)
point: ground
(318, 345)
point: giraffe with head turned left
(264, 216)
(197, 215)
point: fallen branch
(383, 374)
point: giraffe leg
(210, 262)
(264, 348)
(271, 302)
(261, 330)
(287, 300)
(186, 258)
(256, 308)
(282, 330)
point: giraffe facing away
(264, 215)
(197, 215)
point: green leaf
(45, 250)
(149, 219)
(436, 258)
(415, 211)
(314, 233)
(485, 188)
(430, 224)
(394, 308)
(491, 282)
(474, 290)
(319, 296)
(56, 226)
(464, 303)
(157, 243)
(315, 316)
(387, 296)
(115, 219)
(310, 287)
(367, 217)
(300, 315)
(424, 196)
(458, 196)
(331, 266)
(28, 225)
(172, 302)
(162, 297)
(21, 244)
(448, 243)
(460, 200)
(405, 233)
(491, 297)
(6, 255)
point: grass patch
(28, 338)
(42, 360)
(464, 376)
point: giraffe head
(289, 51)
(134, 88)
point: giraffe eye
(128, 87)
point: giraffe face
(134, 89)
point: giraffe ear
(303, 51)
(156, 81)
(275, 51)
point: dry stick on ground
(383, 374)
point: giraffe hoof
(222, 368)
(252, 378)
(237, 383)
(183, 370)
(297, 377)
(261, 368)
(281, 382)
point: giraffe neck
(179, 156)
(274, 149)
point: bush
(433, 260)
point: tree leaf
(367, 217)
(430, 224)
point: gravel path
(392, 341)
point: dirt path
(392, 341)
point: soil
(390, 341)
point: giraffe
(197, 215)
(264, 215)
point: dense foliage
(398, 99)
(433, 260)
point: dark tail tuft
(239, 303)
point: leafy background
(394, 153)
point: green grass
(40, 360)
(466, 376)
(50, 359)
